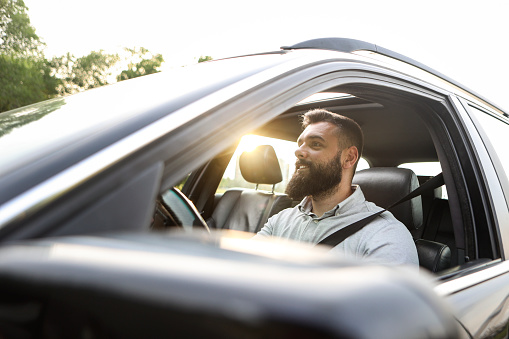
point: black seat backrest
(246, 209)
(386, 185)
(439, 227)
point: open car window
(399, 132)
(426, 170)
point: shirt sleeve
(392, 245)
(267, 229)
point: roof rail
(351, 45)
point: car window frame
(494, 173)
(366, 77)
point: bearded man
(328, 151)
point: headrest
(260, 166)
(386, 185)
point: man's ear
(351, 155)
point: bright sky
(464, 39)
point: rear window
(425, 170)
(285, 151)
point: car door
(476, 286)
(480, 294)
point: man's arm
(267, 229)
(385, 241)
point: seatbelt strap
(265, 215)
(340, 235)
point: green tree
(23, 81)
(17, 36)
(79, 74)
(204, 58)
(25, 76)
(141, 62)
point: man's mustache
(302, 162)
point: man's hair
(349, 132)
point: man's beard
(319, 180)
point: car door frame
(481, 297)
(343, 76)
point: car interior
(399, 130)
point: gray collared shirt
(384, 240)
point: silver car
(125, 213)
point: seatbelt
(340, 235)
(266, 212)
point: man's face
(318, 167)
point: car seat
(386, 185)
(249, 209)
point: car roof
(352, 45)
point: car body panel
(213, 278)
(482, 303)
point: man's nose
(300, 153)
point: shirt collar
(355, 198)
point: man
(327, 155)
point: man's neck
(326, 203)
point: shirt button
(315, 221)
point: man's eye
(316, 144)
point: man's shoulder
(383, 226)
(287, 212)
(387, 222)
(388, 239)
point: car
(124, 212)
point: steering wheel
(173, 208)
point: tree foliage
(79, 74)
(17, 36)
(24, 80)
(24, 74)
(204, 58)
(142, 62)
